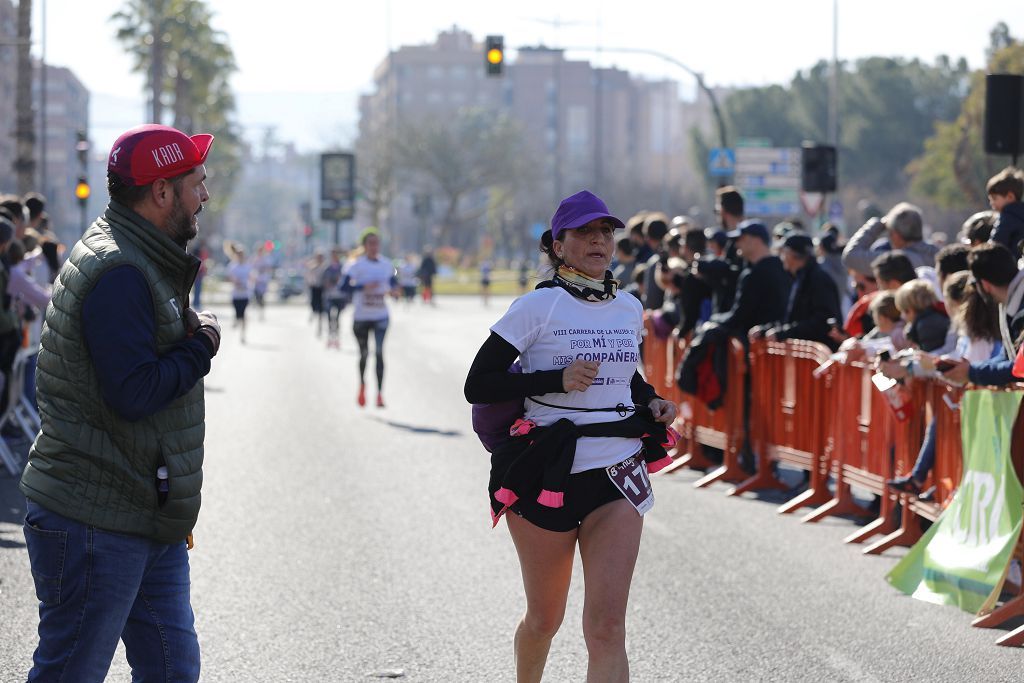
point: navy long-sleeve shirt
(119, 325)
(991, 373)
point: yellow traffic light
(494, 54)
(82, 189)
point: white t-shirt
(263, 272)
(240, 274)
(407, 274)
(551, 328)
(377, 279)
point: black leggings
(362, 328)
(334, 307)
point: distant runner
(370, 279)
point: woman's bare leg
(545, 558)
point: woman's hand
(664, 411)
(580, 375)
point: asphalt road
(338, 543)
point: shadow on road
(416, 429)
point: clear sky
(288, 52)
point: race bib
(630, 477)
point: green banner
(963, 557)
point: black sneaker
(903, 485)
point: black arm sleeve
(643, 393)
(489, 380)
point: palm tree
(187, 65)
(143, 31)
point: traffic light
(82, 147)
(494, 55)
(82, 190)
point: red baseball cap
(147, 153)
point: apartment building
(624, 137)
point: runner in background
(334, 298)
(524, 275)
(428, 269)
(485, 281)
(240, 274)
(315, 281)
(407, 271)
(263, 268)
(370, 278)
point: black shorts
(584, 492)
(240, 306)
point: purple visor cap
(578, 210)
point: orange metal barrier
(788, 416)
(827, 420)
(944, 402)
(697, 425)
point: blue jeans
(926, 456)
(96, 587)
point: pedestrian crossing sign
(722, 161)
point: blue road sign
(722, 161)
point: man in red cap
(113, 479)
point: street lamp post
(723, 140)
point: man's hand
(208, 319)
(837, 335)
(892, 368)
(663, 411)
(855, 352)
(580, 375)
(958, 374)
(206, 324)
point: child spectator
(887, 319)
(917, 301)
(1004, 194)
(977, 322)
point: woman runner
(314, 280)
(240, 274)
(334, 298)
(581, 476)
(370, 279)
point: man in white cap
(113, 479)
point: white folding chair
(14, 391)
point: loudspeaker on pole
(817, 167)
(1004, 114)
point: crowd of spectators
(30, 256)
(889, 296)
